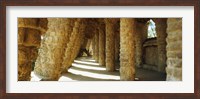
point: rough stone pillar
(29, 37)
(102, 44)
(73, 47)
(138, 44)
(127, 63)
(97, 45)
(161, 26)
(93, 48)
(174, 49)
(88, 44)
(110, 44)
(49, 62)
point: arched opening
(151, 29)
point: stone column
(29, 37)
(110, 44)
(161, 26)
(174, 49)
(74, 44)
(93, 48)
(97, 45)
(127, 63)
(102, 44)
(88, 44)
(49, 62)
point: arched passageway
(99, 49)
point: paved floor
(86, 69)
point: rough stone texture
(174, 49)
(117, 41)
(145, 31)
(161, 26)
(33, 23)
(97, 45)
(93, 48)
(102, 44)
(90, 28)
(150, 54)
(29, 37)
(88, 44)
(110, 44)
(127, 63)
(138, 44)
(74, 44)
(24, 63)
(49, 62)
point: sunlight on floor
(87, 67)
(64, 78)
(94, 75)
(77, 72)
(84, 62)
(91, 60)
(34, 77)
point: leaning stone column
(161, 26)
(74, 44)
(49, 62)
(101, 44)
(174, 49)
(110, 44)
(127, 63)
(29, 37)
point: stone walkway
(86, 69)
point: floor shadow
(116, 72)
(149, 75)
(84, 78)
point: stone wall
(174, 49)
(161, 26)
(138, 44)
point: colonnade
(112, 39)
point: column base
(127, 73)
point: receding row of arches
(49, 46)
